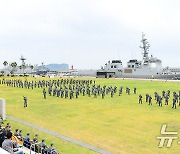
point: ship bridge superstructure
(147, 67)
(113, 65)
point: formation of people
(13, 141)
(71, 88)
(67, 88)
(160, 97)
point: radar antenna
(145, 47)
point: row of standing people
(158, 98)
(94, 90)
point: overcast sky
(88, 33)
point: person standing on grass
(103, 94)
(150, 100)
(44, 93)
(147, 97)
(135, 90)
(174, 103)
(120, 91)
(160, 101)
(140, 99)
(25, 101)
(166, 99)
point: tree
(32, 67)
(20, 67)
(5, 63)
(11, 72)
(2, 72)
(14, 65)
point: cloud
(59, 30)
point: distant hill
(57, 66)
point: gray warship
(148, 68)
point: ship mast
(23, 60)
(145, 47)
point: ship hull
(165, 76)
(108, 74)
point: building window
(115, 66)
(111, 66)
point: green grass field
(118, 124)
